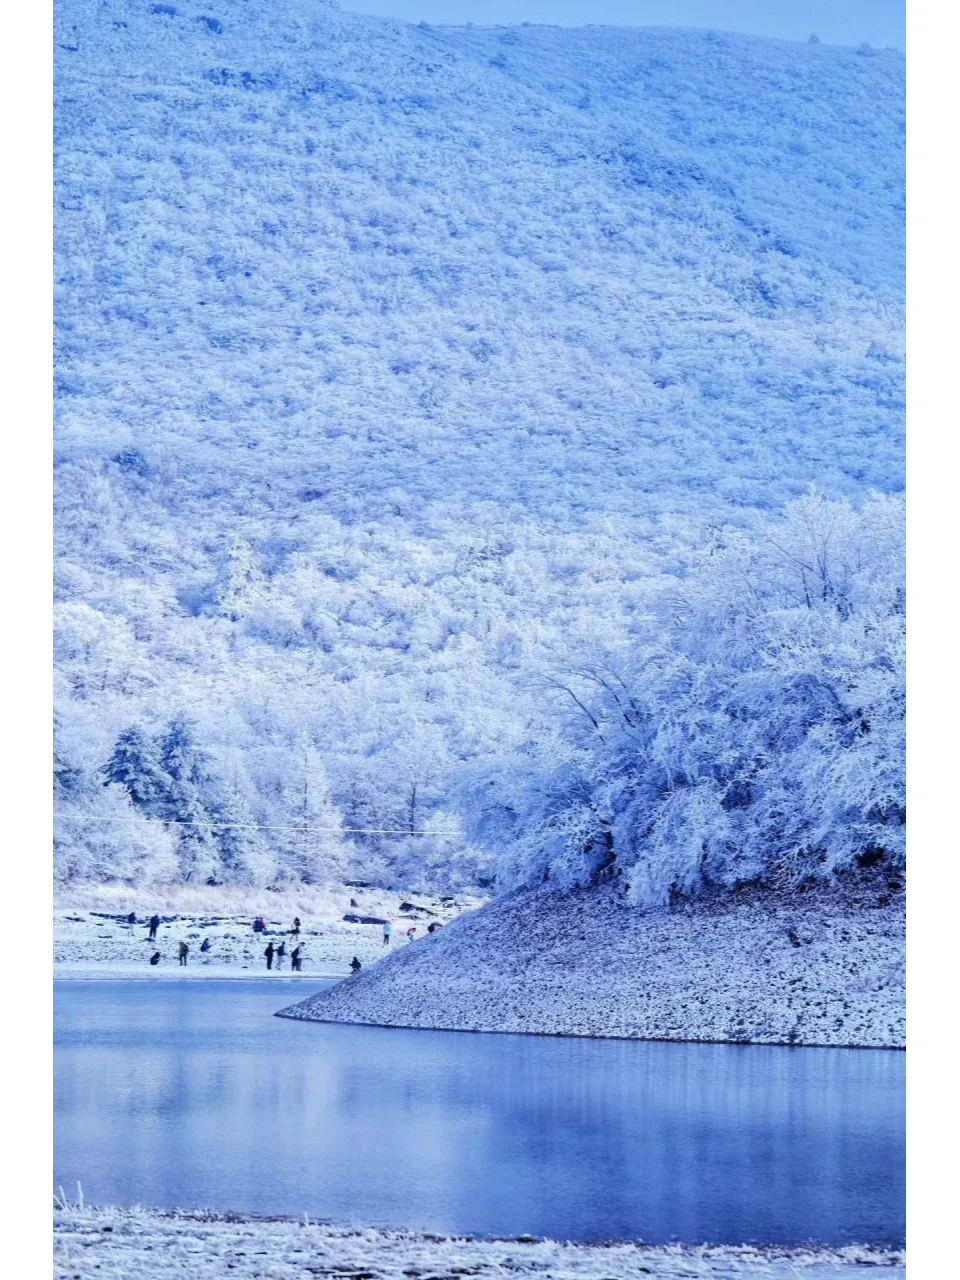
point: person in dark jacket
(154, 926)
(131, 921)
(269, 954)
(296, 927)
(355, 965)
(259, 925)
(182, 953)
(295, 957)
(205, 945)
(281, 952)
(155, 958)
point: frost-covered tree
(242, 854)
(136, 765)
(69, 780)
(186, 765)
(105, 837)
(753, 730)
(239, 584)
(311, 846)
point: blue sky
(878, 22)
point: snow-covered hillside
(395, 363)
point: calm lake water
(191, 1094)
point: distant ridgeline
(436, 415)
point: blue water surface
(192, 1094)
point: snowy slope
(453, 265)
(449, 338)
(760, 968)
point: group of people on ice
(183, 948)
(275, 953)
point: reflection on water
(192, 1094)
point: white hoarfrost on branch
(752, 730)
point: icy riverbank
(98, 943)
(818, 968)
(153, 1245)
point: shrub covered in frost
(752, 731)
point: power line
(259, 826)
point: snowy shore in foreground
(153, 1245)
(820, 968)
(90, 944)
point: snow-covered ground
(823, 968)
(151, 1245)
(97, 943)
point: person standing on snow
(387, 930)
(296, 927)
(131, 921)
(281, 952)
(295, 958)
(154, 926)
(182, 953)
(269, 954)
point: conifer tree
(136, 765)
(239, 580)
(186, 766)
(242, 855)
(314, 850)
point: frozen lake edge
(151, 1243)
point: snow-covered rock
(818, 968)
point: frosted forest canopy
(437, 415)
